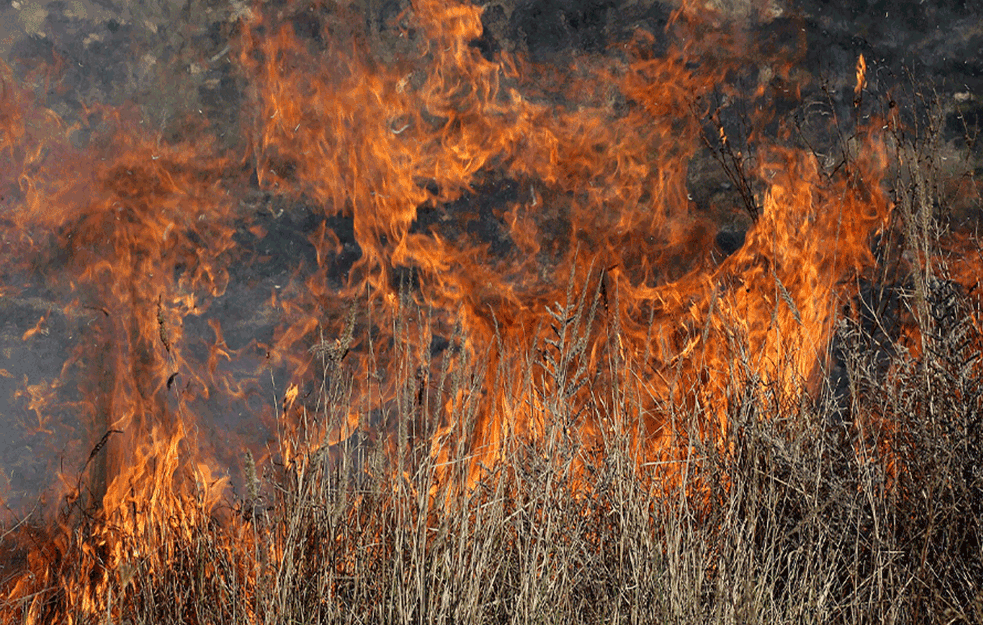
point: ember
(458, 316)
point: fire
(380, 143)
(588, 179)
(861, 78)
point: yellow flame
(861, 76)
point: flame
(861, 77)
(590, 242)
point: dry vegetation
(836, 507)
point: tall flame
(478, 189)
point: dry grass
(840, 507)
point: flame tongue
(488, 197)
(598, 165)
(118, 232)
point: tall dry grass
(859, 503)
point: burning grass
(591, 416)
(808, 508)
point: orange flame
(861, 77)
(589, 178)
